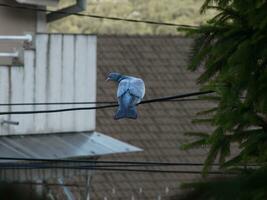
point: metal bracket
(17, 57)
(9, 122)
(27, 38)
(59, 14)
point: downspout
(64, 12)
(66, 190)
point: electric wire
(57, 103)
(36, 165)
(109, 169)
(46, 184)
(110, 162)
(97, 16)
(85, 102)
(102, 164)
(98, 161)
(56, 110)
(161, 99)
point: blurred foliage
(247, 186)
(174, 11)
(231, 47)
(13, 191)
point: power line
(56, 110)
(109, 169)
(98, 16)
(100, 164)
(118, 166)
(44, 164)
(46, 184)
(58, 103)
(84, 102)
(161, 99)
(110, 162)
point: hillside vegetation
(174, 11)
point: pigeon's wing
(123, 87)
(137, 87)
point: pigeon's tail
(120, 114)
(130, 113)
(127, 107)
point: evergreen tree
(232, 49)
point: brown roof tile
(161, 62)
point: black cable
(161, 99)
(85, 102)
(95, 162)
(101, 162)
(112, 169)
(175, 97)
(46, 184)
(56, 110)
(58, 103)
(46, 164)
(36, 164)
(97, 16)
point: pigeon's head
(114, 76)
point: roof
(52, 146)
(62, 145)
(161, 62)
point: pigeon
(131, 91)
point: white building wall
(62, 68)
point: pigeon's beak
(108, 79)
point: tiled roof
(161, 62)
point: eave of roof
(62, 145)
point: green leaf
(195, 144)
(198, 134)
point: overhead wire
(135, 170)
(161, 99)
(95, 168)
(144, 163)
(45, 183)
(110, 162)
(84, 102)
(57, 103)
(97, 16)
(47, 164)
(56, 110)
